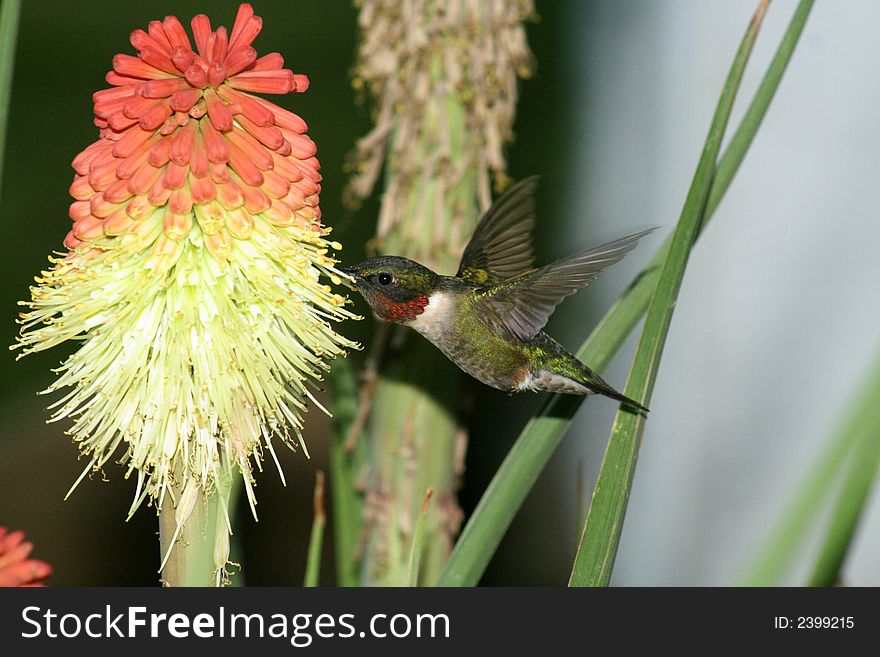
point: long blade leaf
(345, 464)
(597, 551)
(415, 555)
(9, 11)
(776, 555)
(316, 540)
(863, 431)
(540, 437)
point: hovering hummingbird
(487, 319)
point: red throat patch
(400, 311)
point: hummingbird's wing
(525, 303)
(501, 246)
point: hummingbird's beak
(350, 277)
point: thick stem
(200, 544)
(414, 436)
(445, 109)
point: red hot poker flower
(194, 281)
(16, 568)
(181, 133)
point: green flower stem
(313, 559)
(9, 12)
(543, 433)
(201, 547)
(412, 448)
(862, 428)
(597, 551)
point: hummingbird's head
(397, 289)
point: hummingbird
(488, 318)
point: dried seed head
(445, 79)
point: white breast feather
(433, 320)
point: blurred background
(775, 328)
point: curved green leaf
(540, 437)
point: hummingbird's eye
(384, 278)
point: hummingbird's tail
(565, 373)
(597, 385)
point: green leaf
(540, 437)
(345, 464)
(862, 431)
(415, 555)
(777, 554)
(9, 11)
(313, 559)
(821, 483)
(597, 551)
